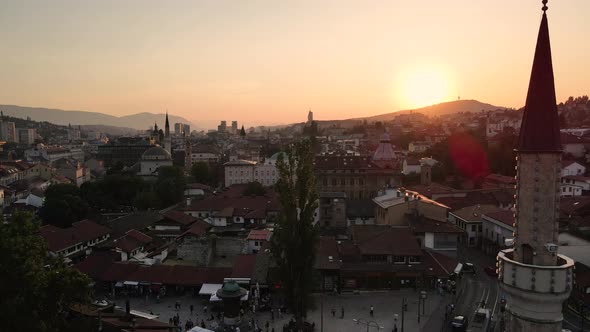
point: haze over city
(212, 60)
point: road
(476, 290)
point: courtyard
(387, 311)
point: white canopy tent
(210, 289)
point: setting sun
(425, 86)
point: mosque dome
(156, 153)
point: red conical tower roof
(539, 131)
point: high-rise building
(234, 127)
(222, 128)
(26, 136)
(535, 279)
(8, 131)
(178, 127)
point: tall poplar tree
(295, 237)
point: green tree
(201, 172)
(63, 205)
(36, 290)
(170, 185)
(295, 236)
(147, 200)
(242, 131)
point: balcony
(539, 279)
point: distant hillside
(140, 121)
(450, 107)
(112, 130)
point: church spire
(167, 126)
(540, 124)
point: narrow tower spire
(167, 126)
(540, 123)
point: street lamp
(421, 298)
(368, 323)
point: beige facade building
(392, 207)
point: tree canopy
(36, 291)
(170, 185)
(202, 173)
(295, 236)
(63, 205)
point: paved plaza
(356, 306)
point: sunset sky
(268, 62)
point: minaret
(167, 138)
(534, 277)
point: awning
(214, 297)
(199, 329)
(143, 314)
(210, 289)
(130, 283)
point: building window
(343, 181)
(361, 182)
(334, 182)
(473, 228)
(399, 259)
(352, 182)
(414, 259)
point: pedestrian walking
(371, 312)
(272, 314)
(342, 312)
(205, 309)
(280, 312)
(191, 309)
(267, 326)
(333, 312)
(202, 323)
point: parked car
(491, 271)
(469, 268)
(459, 324)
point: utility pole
(322, 311)
(403, 310)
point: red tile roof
(133, 239)
(442, 265)
(82, 231)
(179, 217)
(539, 131)
(244, 266)
(259, 235)
(427, 225)
(139, 236)
(199, 228)
(505, 216)
(327, 254)
(498, 178)
(385, 240)
(182, 275)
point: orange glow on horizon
(425, 86)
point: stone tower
(534, 277)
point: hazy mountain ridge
(446, 108)
(139, 121)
